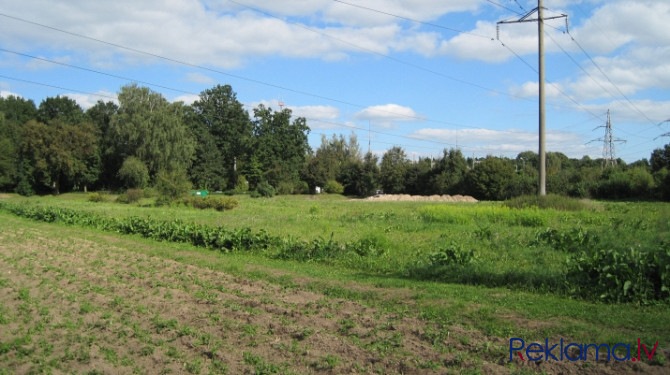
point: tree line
(216, 144)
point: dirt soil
(74, 301)
(419, 198)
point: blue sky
(424, 75)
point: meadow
(325, 284)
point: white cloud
(316, 112)
(87, 101)
(532, 89)
(200, 78)
(224, 35)
(387, 115)
(187, 99)
(7, 94)
(317, 116)
(509, 142)
(425, 10)
(624, 111)
(617, 23)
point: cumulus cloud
(87, 101)
(200, 78)
(388, 115)
(7, 94)
(509, 142)
(187, 99)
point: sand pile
(426, 198)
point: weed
(260, 366)
(193, 367)
(346, 325)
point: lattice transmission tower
(609, 150)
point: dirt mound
(420, 198)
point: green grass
(507, 286)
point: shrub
(95, 197)
(263, 189)
(555, 201)
(134, 173)
(130, 196)
(162, 201)
(451, 254)
(614, 273)
(217, 203)
(173, 184)
(150, 192)
(242, 184)
(333, 187)
(285, 187)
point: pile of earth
(427, 198)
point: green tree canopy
(392, 170)
(61, 108)
(150, 128)
(280, 146)
(224, 117)
(59, 152)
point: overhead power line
(394, 59)
(280, 87)
(414, 20)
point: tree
(489, 179)
(360, 178)
(280, 146)
(417, 177)
(208, 170)
(9, 157)
(134, 173)
(449, 173)
(59, 152)
(62, 108)
(223, 116)
(660, 158)
(392, 170)
(15, 169)
(330, 158)
(150, 128)
(110, 156)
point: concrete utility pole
(542, 189)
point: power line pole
(609, 155)
(542, 188)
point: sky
(424, 75)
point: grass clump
(217, 203)
(130, 196)
(555, 201)
(95, 197)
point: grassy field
(421, 288)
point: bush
(134, 173)
(130, 196)
(242, 184)
(613, 273)
(452, 254)
(263, 189)
(333, 187)
(150, 192)
(557, 202)
(95, 197)
(162, 201)
(217, 203)
(172, 184)
(285, 188)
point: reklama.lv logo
(537, 352)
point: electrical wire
(414, 20)
(256, 81)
